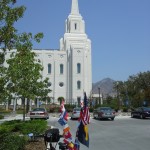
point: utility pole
(99, 95)
(118, 97)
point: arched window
(49, 69)
(78, 68)
(78, 85)
(61, 68)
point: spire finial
(74, 8)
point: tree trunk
(30, 106)
(24, 107)
(37, 104)
(14, 105)
(7, 106)
(27, 106)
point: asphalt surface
(124, 133)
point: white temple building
(69, 69)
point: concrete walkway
(56, 115)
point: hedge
(14, 134)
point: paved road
(124, 133)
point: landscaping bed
(37, 145)
(14, 135)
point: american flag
(82, 134)
(84, 114)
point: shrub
(125, 109)
(12, 122)
(91, 109)
(35, 126)
(4, 111)
(10, 126)
(53, 108)
(12, 142)
(69, 107)
(1, 117)
(10, 132)
(19, 111)
(6, 129)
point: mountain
(106, 87)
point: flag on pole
(76, 144)
(66, 129)
(82, 133)
(85, 115)
(64, 115)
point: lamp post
(127, 98)
(99, 94)
(118, 97)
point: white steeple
(75, 23)
(74, 8)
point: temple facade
(69, 68)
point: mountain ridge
(106, 87)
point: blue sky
(119, 31)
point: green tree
(24, 72)
(136, 89)
(23, 75)
(9, 14)
(109, 100)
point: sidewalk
(121, 115)
(14, 117)
(56, 115)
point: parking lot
(124, 133)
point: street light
(127, 97)
(118, 97)
(99, 95)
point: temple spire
(74, 8)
